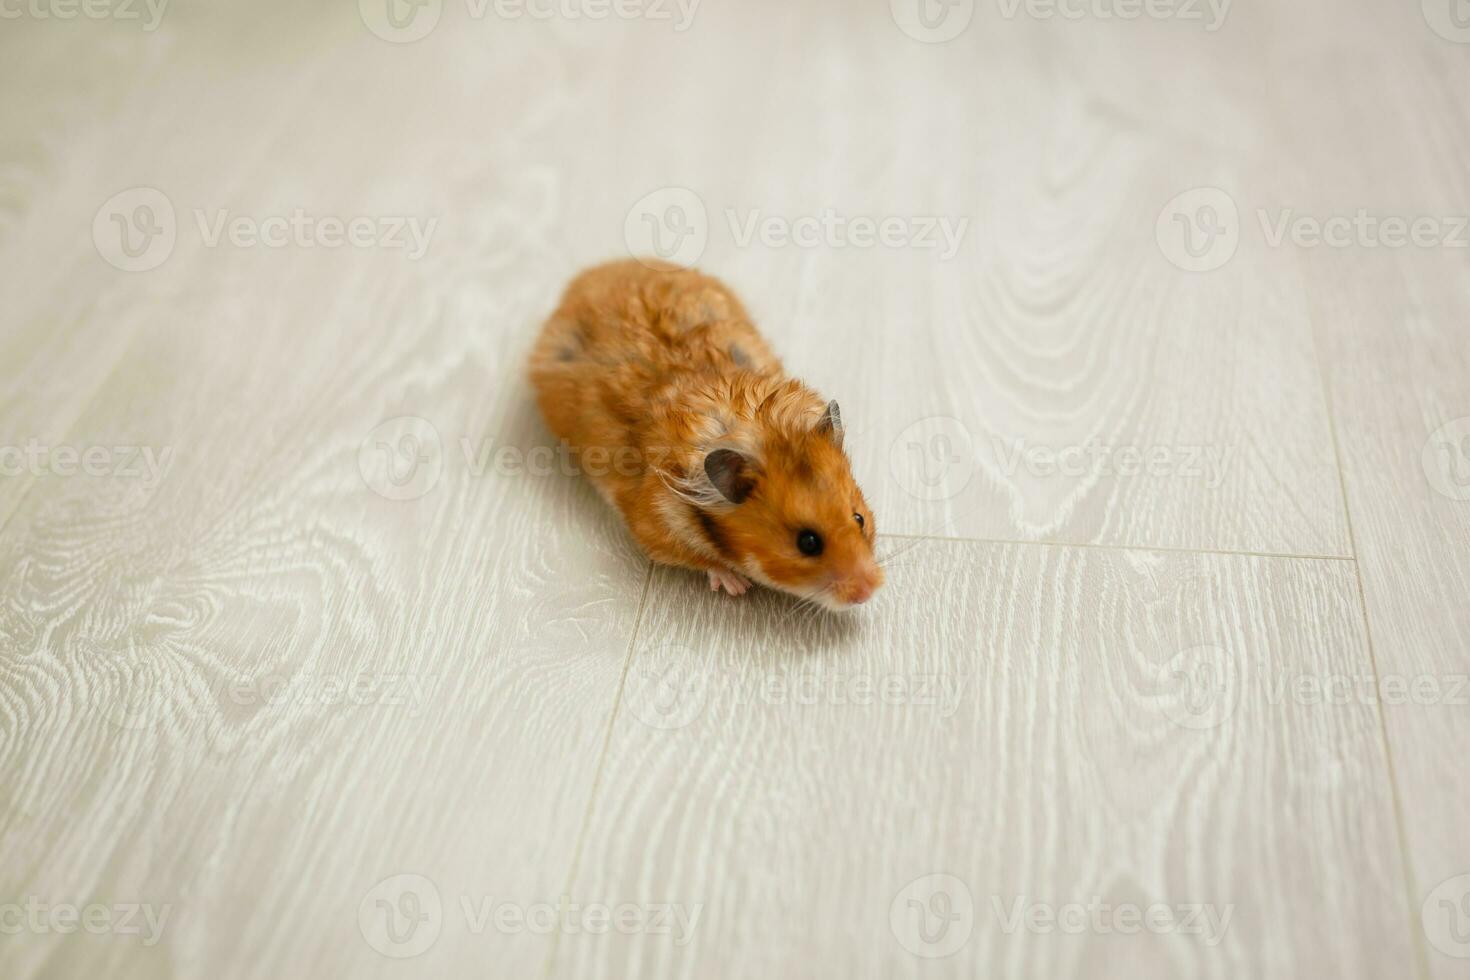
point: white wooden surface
(1391, 329)
(1023, 730)
(541, 717)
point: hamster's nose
(862, 585)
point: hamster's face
(802, 526)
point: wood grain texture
(1057, 322)
(1030, 731)
(63, 324)
(1403, 412)
(253, 688)
(179, 723)
(1391, 332)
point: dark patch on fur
(713, 533)
(574, 341)
(739, 356)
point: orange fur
(645, 369)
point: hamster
(687, 424)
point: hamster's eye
(809, 543)
(859, 519)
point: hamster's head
(791, 516)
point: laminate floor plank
(293, 679)
(1390, 316)
(1047, 728)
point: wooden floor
(302, 676)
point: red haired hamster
(687, 424)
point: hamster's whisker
(807, 602)
(888, 558)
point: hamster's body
(686, 422)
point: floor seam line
(1116, 547)
(1416, 934)
(612, 719)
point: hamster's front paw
(733, 582)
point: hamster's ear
(730, 473)
(830, 424)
